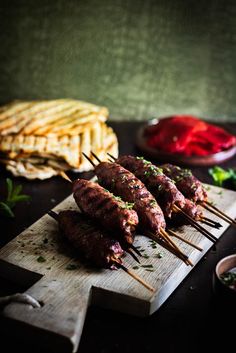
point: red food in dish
(188, 135)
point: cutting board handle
(60, 318)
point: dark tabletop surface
(191, 319)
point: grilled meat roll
(93, 244)
(162, 187)
(124, 184)
(111, 212)
(186, 182)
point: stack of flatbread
(39, 139)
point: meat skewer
(93, 244)
(189, 207)
(131, 189)
(174, 234)
(111, 212)
(193, 189)
(164, 190)
(102, 202)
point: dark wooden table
(190, 320)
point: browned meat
(92, 244)
(124, 184)
(186, 182)
(192, 210)
(162, 187)
(111, 212)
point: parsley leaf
(223, 177)
(13, 196)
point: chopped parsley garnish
(41, 259)
(143, 159)
(71, 267)
(159, 255)
(118, 198)
(153, 203)
(129, 205)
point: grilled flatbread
(40, 138)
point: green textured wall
(139, 58)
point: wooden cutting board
(65, 287)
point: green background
(141, 59)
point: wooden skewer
(135, 249)
(95, 156)
(217, 224)
(167, 237)
(53, 214)
(211, 208)
(163, 242)
(89, 159)
(196, 225)
(65, 176)
(193, 222)
(134, 275)
(219, 215)
(208, 223)
(174, 234)
(133, 255)
(112, 157)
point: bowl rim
(219, 263)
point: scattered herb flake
(135, 268)
(147, 266)
(159, 255)
(71, 267)
(41, 259)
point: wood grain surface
(66, 294)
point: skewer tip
(65, 176)
(95, 156)
(89, 159)
(112, 157)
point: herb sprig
(13, 196)
(223, 177)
